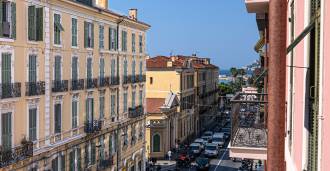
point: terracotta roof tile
(154, 104)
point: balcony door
(6, 74)
(57, 72)
(89, 110)
(6, 133)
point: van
(218, 139)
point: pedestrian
(169, 154)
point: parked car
(211, 150)
(226, 131)
(195, 148)
(219, 139)
(203, 163)
(201, 142)
(207, 139)
(208, 134)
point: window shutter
(74, 32)
(78, 159)
(110, 145)
(63, 162)
(74, 68)
(31, 26)
(92, 110)
(55, 164)
(1, 12)
(93, 153)
(115, 39)
(57, 68)
(32, 68)
(13, 20)
(6, 68)
(110, 39)
(87, 110)
(85, 34)
(92, 44)
(72, 160)
(86, 155)
(102, 68)
(40, 24)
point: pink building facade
(307, 120)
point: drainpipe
(276, 89)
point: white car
(201, 142)
(195, 148)
(211, 150)
(219, 139)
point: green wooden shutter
(102, 68)
(72, 160)
(101, 37)
(92, 110)
(89, 68)
(87, 152)
(55, 164)
(141, 97)
(58, 118)
(110, 39)
(1, 12)
(74, 114)
(6, 131)
(58, 68)
(133, 42)
(13, 20)
(101, 98)
(110, 145)
(133, 68)
(62, 162)
(125, 68)
(85, 34)
(33, 68)
(92, 38)
(40, 24)
(33, 124)
(74, 32)
(74, 68)
(116, 39)
(79, 159)
(31, 22)
(113, 67)
(6, 68)
(133, 99)
(93, 151)
(87, 110)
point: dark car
(203, 163)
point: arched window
(156, 143)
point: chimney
(169, 64)
(132, 14)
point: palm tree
(233, 72)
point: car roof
(198, 139)
(218, 135)
(194, 144)
(210, 144)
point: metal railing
(104, 82)
(135, 112)
(10, 90)
(105, 163)
(141, 78)
(77, 84)
(126, 79)
(114, 81)
(93, 126)
(91, 83)
(249, 118)
(16, 154)
(60, 86)
(34, 88)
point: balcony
(114, 81)
(135, 112)
(91, 83)
(34, 88)
(105, 163)
(134, 79)
(60, 86)
(104, 82)
(141, 78)
(77, 85)
(93, 126)
(10, 90)
(126, 79)
(16, 154)
(249, 129)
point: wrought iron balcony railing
(34, 88)
(16, 154)
(93, 126)
(126, 79)
(134, 79)
(104, 82)
(135, 112)
(91, 83)
(249, 119)
(60, 86)
(141, 78)
(114, 81)
(10, 90)
(105, 163)
(77, 84)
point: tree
(233, 72)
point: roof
(170, 101)
(154, 104)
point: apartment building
(307, 88)
(173, 102)
(72, 86)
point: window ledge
(6, 40)
(74, 47)
(58, 46)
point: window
(113, 105)
(90, 151)
(58, 68)
(140, 43)
(6, 132)
(113, 67)
(32, 68)
(75, 160)
(101, 98)
(33, 124)
(133, 69)
(101, 67)
(89, 109)
(74, 113)
(89, 35)
(35, 23)
(151, 80)
(58, 28)
(74, 70)
(89, 68)
(6, 68)
(141, 97)
(74, 32)
(125, 68)
(101, 37)
(156, 143)
(101, 148)
(8, 19)
(133, 99)
(57, 119)
(133, 134)
(58, 163)
(133, 42)
(141, 68)
(125, 143)
(125, 102)
(124, 41)
(113, 44)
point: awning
(260, 44)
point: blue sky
(219, 29)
